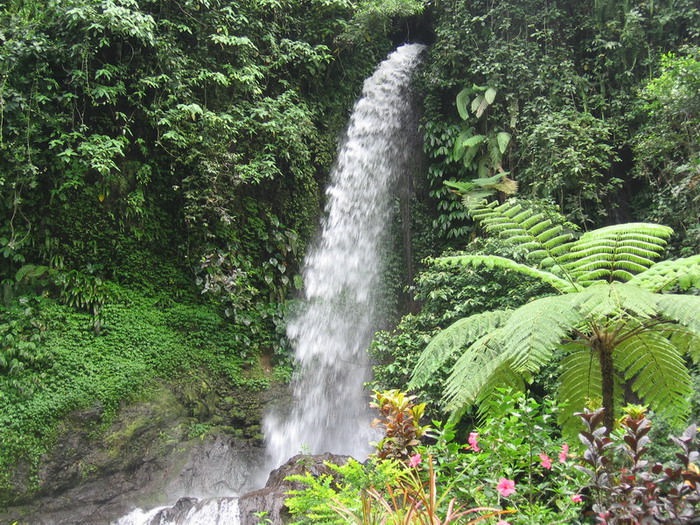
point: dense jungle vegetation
(161, 174)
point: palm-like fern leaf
(535, 330)
(686, 342)
(542, 235)
(682, 308)
(657, 373)
(684, 272)
(495, 261)
(475, 368)
(453, 339)
(614, 253)
(616, 300)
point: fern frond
(474, 369)
(503, 377)
(687, 343)
(657, 373)
(682, 308)
(605, 301)
(614, 253)
(453, 339)
(534, 331)
(495, 261)
(540, 234)
(684, 272)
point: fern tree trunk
(605, 349)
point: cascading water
(342, 273)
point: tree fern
(542, 235)
(623, 330)
(606, 301)
(682, 308)
(534, 330)
(579, 384)
(478, 366)
(656, 372)
(686, 342)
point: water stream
(342, 281)
(342, 273)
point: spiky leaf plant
(612, 321)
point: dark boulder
(271, 498)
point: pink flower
(502, 522)
(545, 461)
(505, 487)
(564, 453)
(473, 437)
(414, 460)
(576, 498)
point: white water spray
(342, 273)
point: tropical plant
(400, 420)
(612, 324)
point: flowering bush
(506, 466)
(508, 463)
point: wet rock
(149, 456)
(271, 499)
(176, 513)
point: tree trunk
(607, 383)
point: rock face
(271, 498)
(154, 452)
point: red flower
(414, 460)
(473, 437)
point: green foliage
(666, 148)
(134, 127)
(567, 97)
(415, 501)
(571, 158)
(22, 330)
(446, 293)
(450, 481)
(314, 504)
(518, 441)
(597, 317)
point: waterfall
(342, 273)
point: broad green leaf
(490, 95)
(503, 139)
(462, 99)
